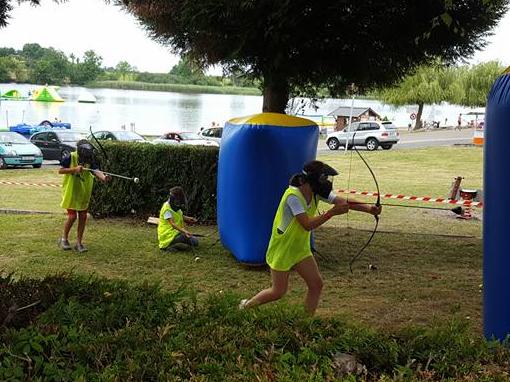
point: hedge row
(159, 167)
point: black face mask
(85, 154)
(321, 185)
(177, 203)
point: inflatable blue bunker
(496, 220)
(258, 155)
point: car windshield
(389, 125)
(189, 136)
(10, 137)
(128, 136)
(70, 136)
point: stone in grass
(345, 364)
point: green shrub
(159, 167)
(94, 329)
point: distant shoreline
(179, 88)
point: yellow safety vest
(77, 188)
(292, 246)
(166, 233)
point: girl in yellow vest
(172, 233)
(77, 189)
(289, 247)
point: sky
(81, 25)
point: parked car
(118, 135)
(212, 134)
(56, 144)
(16, 150)
(184, 138)
(370, 134)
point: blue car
(16, 150)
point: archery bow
(377, 203)
(99, 144)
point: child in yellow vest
(172, 233)
(289, 247)
(77, 189)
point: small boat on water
(86, 97)
(27, 130)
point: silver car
(212, 134)
(370, 134)
(184, 138)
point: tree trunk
(275, 93)
(418, 117)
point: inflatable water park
(27, 130)
(42, 94)
(13, 95)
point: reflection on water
(154, 113)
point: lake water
(153, 113)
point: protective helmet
(177, 199)
(318, 174)
(86, 154)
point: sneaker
(64, 244)
(242, 304)
(80, 248)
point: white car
(184, 138)
(370, 134)
(212, 134)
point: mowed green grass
(428, 262)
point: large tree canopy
(299, 46)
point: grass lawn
(429, 264)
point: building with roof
(343, 113)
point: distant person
(409, 126)
(445, 122)
(172, 233)
(77, 189)
(213, 124)
(459, 122)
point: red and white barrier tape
(416, 198)
(6, 182)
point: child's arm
(181, 230)
(190, 220)
(70, 170)
(101, 176)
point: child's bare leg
(71, 218)
(82, 220)
(280, 282)
(309, 271)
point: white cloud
(80, 25)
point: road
(421, 139)
(408, 140)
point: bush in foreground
(93, 329)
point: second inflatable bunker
(258, 155)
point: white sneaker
(242, 304)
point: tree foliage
(302, 45)
(433, 84)
(475, 83)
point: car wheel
(2, 163)
(37, 165)
(333, 144)
(64, 154)
(386, 147)
(372, 144)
